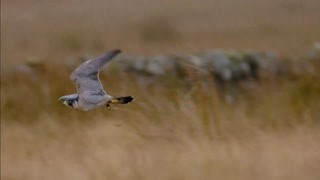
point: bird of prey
(90, 93)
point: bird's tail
(122, 100)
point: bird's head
(70, 100)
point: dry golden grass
(109, 149)
(169, 132)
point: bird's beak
(65, 103)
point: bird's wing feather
(86, 76)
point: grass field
(168, 132)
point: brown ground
(57, 29)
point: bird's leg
(108, 106)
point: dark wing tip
(115, 51)
(110, 54)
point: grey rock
(160, 65)
(268, 62)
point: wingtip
(116, 51)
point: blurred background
(223, 89)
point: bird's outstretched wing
(86, 76)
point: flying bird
(90, 93)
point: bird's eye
(69, 103)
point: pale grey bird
(90, 93)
